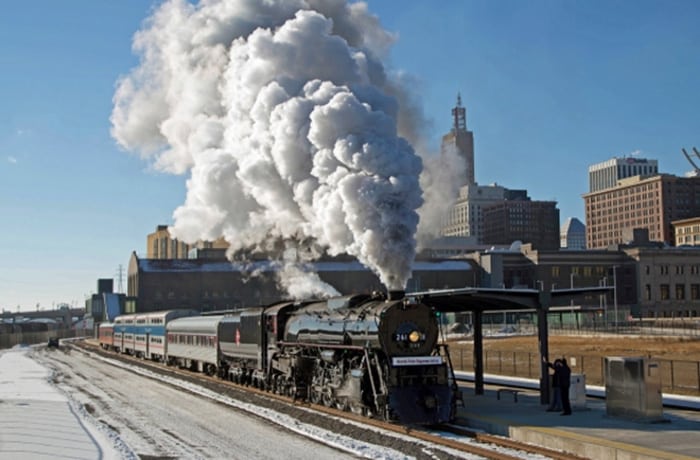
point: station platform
(587, 433)
(36, 421)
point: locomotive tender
(371, 354)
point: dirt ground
(678, 359)
(685, 349)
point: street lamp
(571, 278)
(604, 300)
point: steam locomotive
(376, 355)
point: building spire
(459, 115)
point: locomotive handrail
(322, 345)
(455, 386)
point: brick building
(650, 203)
(210, 283)
(535, 222)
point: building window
(695, 292)
(647, 269)
(680, 291)
(555, 272)
(679, 269)
(647, 292)
(665, 291)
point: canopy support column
(543, 340)
(478, 353)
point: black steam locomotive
(376, 355)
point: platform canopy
(494, 299)
(479, 300)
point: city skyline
(549, 89)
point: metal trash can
(577, 392)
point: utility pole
(120, 275)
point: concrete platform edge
(566, 441)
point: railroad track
(481, 444)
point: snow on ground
(37, 421)
(156, 420)
(127, 412)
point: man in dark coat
(555, 405)
(564, 384)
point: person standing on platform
(555, 404)
(564, 384)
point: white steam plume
(440, 180)
(285, 119)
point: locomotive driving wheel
(342, 404)
(277, 385)
(357, 408)
(291, 388)
(327, 397)
(315, 395)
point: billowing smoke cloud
(286, 120)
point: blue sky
(550, 87)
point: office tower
(573, 234)
(460, 141)
(606, 174)
(638, 202)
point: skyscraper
(573, 234)
(460, 141)
(606, 174)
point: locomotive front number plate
(416, 360)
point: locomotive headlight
(414, 336)
(408, 336)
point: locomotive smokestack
(395, 295)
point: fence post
(673, 380)
(602, 370)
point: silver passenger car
(193, 343)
